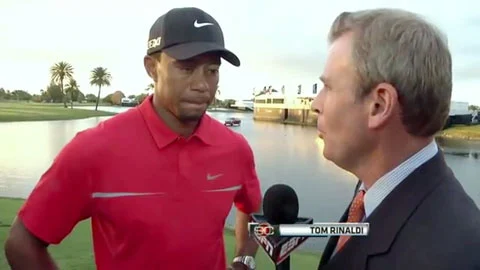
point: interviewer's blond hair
(401, 48)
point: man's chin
(190, 117)
(320, 134)
(335, 159)
(326, 154)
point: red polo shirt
(156, 200)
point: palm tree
(217, 93)
(59, 72)
(100, 77)
(72, 89)
(150, 86)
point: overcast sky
(278, 42)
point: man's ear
(151, 67)
(383, 101)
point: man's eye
(186, 69)
(213, 71)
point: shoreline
(29, 112)
(454, 137)
(452, 133)
(461, 132)
(34, 112)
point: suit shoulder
(449, 211)
(443, 229)
(459, 207)
(455, 202)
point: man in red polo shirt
(157, 181)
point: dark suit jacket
(426, 222)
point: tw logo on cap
(152, 43)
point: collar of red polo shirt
(163, 135)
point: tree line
(63, 87)
(62, 75)
(474, 108)
(52, 94)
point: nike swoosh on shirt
(213, 177)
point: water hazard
(284, 154)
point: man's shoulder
(124, 120)
(443, 228)
(452, 192)
(446, 198)
(92, 139)
(227, 135)
(448, 209)
(455, 203)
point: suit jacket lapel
(332, 241)
(388, 218)
(331, 244)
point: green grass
(75, 252)
(75, 104)
(22, 111)
(462, 132)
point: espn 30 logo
(263, 229)
(289, 246)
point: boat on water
(129, 102)
(294, 108)
(460, 114)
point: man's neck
(387, 156)
(183, 129)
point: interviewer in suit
(387, 89)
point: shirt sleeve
(61, 198)
(248, 199)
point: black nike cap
(183, 33)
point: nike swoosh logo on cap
(199, 25)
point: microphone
(280, 206)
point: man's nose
(199, 80)
(317, 104)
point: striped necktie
(355, 214)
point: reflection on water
(283, 153)
(28, 148)
(467, 149)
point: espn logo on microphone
(310, 230)
(263, 229)
(277, 247)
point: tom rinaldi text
(310, 230)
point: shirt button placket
(183, 168)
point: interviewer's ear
(150, 64)
(383, 103)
